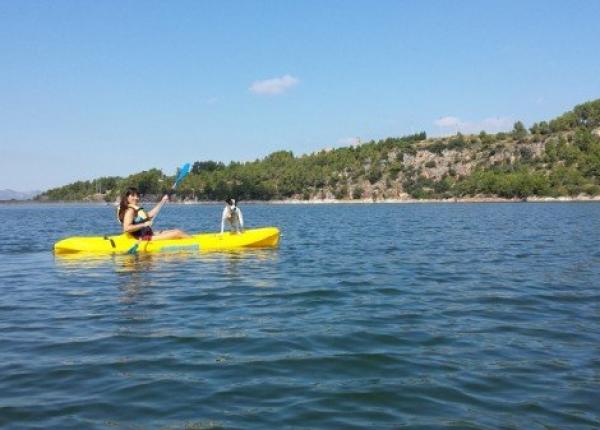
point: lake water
(417, 316)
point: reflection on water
(144, 284)
(149, 261)
(134, 273)
(90, 261)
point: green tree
(486, 139)
(519, 131)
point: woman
(138, 223)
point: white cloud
(349, 141)
(273, 86)
(494, 124)
(447, 121)
(490, 125)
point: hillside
(560, 157)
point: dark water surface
(464, 316)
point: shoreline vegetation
(475, 199)
(556, 160)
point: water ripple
(407, 316)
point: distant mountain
(18, 195)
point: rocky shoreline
(475, 199)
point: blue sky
(91, 89)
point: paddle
(183, 172)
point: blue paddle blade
(183, 172)
(134, 248)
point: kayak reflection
(146, 261)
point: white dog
(233, 216)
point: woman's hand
(148, 223)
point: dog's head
(231, 203)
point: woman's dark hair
(124, 205)
(228, 201)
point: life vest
(139, 217)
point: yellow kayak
(120, 244)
